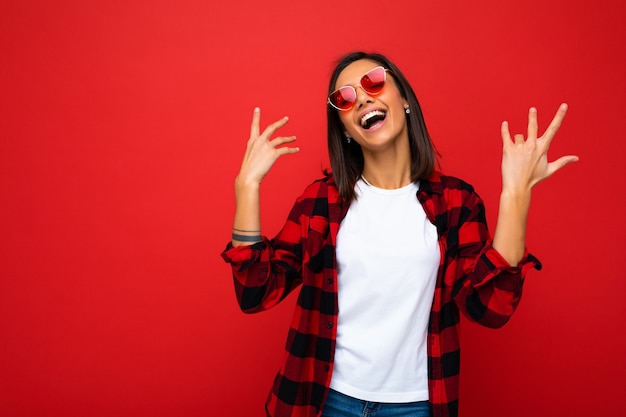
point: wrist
(515, 196)
(243, 185)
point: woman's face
(375, 120)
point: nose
(362, 97)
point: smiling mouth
(371, 118)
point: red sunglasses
(372, 83)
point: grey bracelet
(246, 238)
(249, 231)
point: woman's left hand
(525, 162)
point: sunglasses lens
(343, 98)
(374, 81)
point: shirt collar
(433, 184)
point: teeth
(371, 114)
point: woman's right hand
(263, 150)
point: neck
(388, 167)
(388, 174)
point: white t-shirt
(387, 258)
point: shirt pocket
(316, 243)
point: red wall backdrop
(122, 126)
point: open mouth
(370, 119)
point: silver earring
(407, 110)
(347, 137)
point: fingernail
(533, 110)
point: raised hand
(263, 150)
(525, 161)
(524, 165)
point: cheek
(345, 118)
(399, 108)
(395, 99)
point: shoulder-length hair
(346, 159)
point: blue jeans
(341, 405)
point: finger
(271, 129)
(287, 150)
(519, 138)
(504, 132)
(281, 140)
(532, 123)
(256, 120)
(555, 124)
(562, 162)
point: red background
(122, 128)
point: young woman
(385, 250)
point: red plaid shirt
(473, 279)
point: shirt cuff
(491, 264)
(244, 254)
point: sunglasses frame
(385, 70)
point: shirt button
(329, 325)
(326, 367)
(330, 280)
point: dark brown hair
(346, 159)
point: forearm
(247, 222)
(510, 234)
